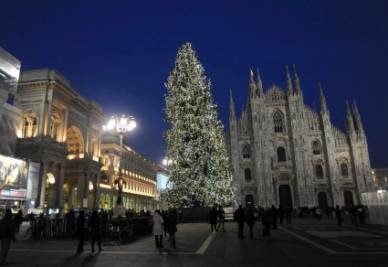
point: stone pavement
(306, 242)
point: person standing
(7, 234)
(281, 214)
(172, 218)
(250, 219)
(158, 228)
(95, 230)
(288, 214)
(338, 215)
(81, 231)
(221, 218)
(18, 220)
(239, 215)
(267, 221)
(213, 219)
(274, 217)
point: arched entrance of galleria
(285, 198)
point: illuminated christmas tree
(199, 173)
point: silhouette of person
(81, 231)
(240, 218)
(95, 230)
(338, 215)
(281, 214)
(213, 219)
(274, 217)
(221, 218)
(267, 221)
(7, 232)
(172, 221)
(250, 218)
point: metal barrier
(117, 229)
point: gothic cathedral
(284, 153)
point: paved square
(196, 246)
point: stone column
(42, 183)
(59, 187)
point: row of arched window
(344, 170)
(318, 172)
(281, 152)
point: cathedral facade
(284, 153)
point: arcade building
(47, 124)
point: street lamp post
(120, 125)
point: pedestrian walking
(338, 215)
(288, 214)
(250, 219)
(274, 217)
(18, 220)
(213, 219)
(95, 230)
(172, 221)
(267, 221)
(221, 218)
(81, 231)
(281, 214)
(7, 234)
(158, 228)
(239, 216)
(164, 216)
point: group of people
(268, 217)
(164, 223)
(94, 224)
(217, 218)
(357, 214)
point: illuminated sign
(13, 178)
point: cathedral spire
(232, 112)
(322, 99)
(357, 117)
(298, 90)
(259, 83)
(288, 82)
(349, 119)
(252, 84)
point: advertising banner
(13, 178)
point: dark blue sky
(119, 53)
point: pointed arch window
(344, 169)
(319, 171)
(246, 152)
(278, 122)
(317, 147)
(247, 174)
(281, 153)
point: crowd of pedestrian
(252, 216)
(269, 217)
(165, 224)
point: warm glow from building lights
(105, 186)
(50, 178)
(91, 186)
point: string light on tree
(200, 173)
